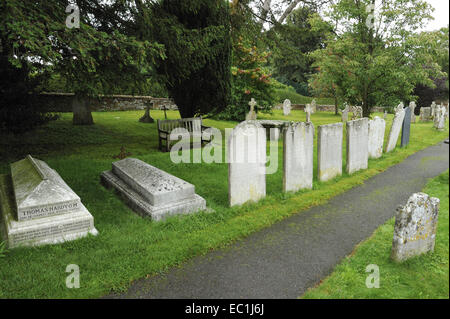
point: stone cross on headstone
(308, 110)
(252, 114)
(412, 106)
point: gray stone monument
(377, 127)
(246, 157)
(385, 115)
(395, 128)
(440, 115)
(345, 113)
(433, 109)
(39, 207)
(329, 151)
(308, 111)
(415, 227)
(357, 145)
(406, 127)
(251, 116)
(412, 106)
(313, 106)
(298, 156)
(151, 192)
(286, 107)
(425, 114)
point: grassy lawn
(425, 276)
(130, 247)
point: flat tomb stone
(39, 191)
(150, 191)
(415, 227)
(44, 230)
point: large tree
(376, 57)
(94, 58)
(196, 36)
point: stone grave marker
(395, 128)
(377, 127)
(38, 207)
(329, 151)
(286, 107)
(246, 157)
(357, 145)
(440, 114)
(251, 114)
(298, 156)
(345, 113)
(385, 115)
(425, 114)
(433, 109)
(406, 127)
(412, 106)
(415, 227)
(151, 192)
(308, 111)
(313, 106)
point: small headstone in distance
(146, 118)
(415, 227)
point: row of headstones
(246, 178)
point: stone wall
(62, 102)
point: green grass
(425, 276)
(130, 247)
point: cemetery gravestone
(345, 113)
(441, 118)
(287, 107)
(377, 127)
(329, 153)
(406, 127)
(415, 227)
(308, 111)
(150, 191)
(39, 207)
(298, 156)
(252, 114)
(433, 109)
(246, 156)
(412, 106)
(357, 145)
(313, 106)
(425, 114)
(395, 128)
(385, 115)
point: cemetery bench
(193, 126)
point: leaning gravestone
(246, 157)
(39, 207)
(415, 227)
(298, 156)
(406, 127)
(357, 145)
(329, 151)
(150, 191)
(377, 126)
(395, 128)
(412, 106)
(286, 107)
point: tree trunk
(81, 111)
(336, 107)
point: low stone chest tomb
(38, 207)
(150, 191)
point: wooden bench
(192, 125)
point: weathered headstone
(395, 128)
(286, 107)
(385, 115)
(357, 112)
(433, 109)
(246, 156)
(150, 191)
(308, 111)
(440, 114)
(146, 118)
(39, 207)
(415, 227)
(313, 106)
(412, 106)
(329, 151)
(357, 145)
(298, 156)
(377, 127)
(425, 114)
(345, 113)
(406, 127)
(251, 116)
